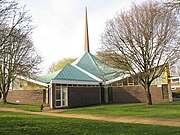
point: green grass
(26, 107)
(24, 124)
(161, 110)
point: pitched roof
(88, 69)
(33, 81)
(70, 72)
(93, 65)
(47, 78)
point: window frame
(62, 89)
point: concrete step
(45, 107)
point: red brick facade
(135, 94)
(83, 96)
(27, 96)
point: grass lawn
(20, 124)
(161, 110)
(34, 108)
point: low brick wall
(83, 96)
(27, 96)
(135, 94)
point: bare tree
(18, 54)
(173, 5)
(112, 60)
(144, 38)
(175, 69)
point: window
(125, 81)
(175, 80)
(61, 96)
(120, 84)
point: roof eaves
(47, 77)
(33, 81)
(75, 82)
(116, 79)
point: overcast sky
(60, 26)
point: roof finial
(86, 40)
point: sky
(60, 24)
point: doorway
(61, 94)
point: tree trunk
(148, 95)
(4, 98)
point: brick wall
(84, 96)
(135, 94)
(27, 96)
(156, 93)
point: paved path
(126, 119)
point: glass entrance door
(61, 96)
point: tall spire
(86, 40)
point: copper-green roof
(47, 78)
(88, 68)
(93, 65)
(72, 73)
(69, 72)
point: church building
(89, 81)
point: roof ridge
(105, 63)
(96, 65)
(78, 59)
(70, 72)
(87, 73)
(61, 70)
